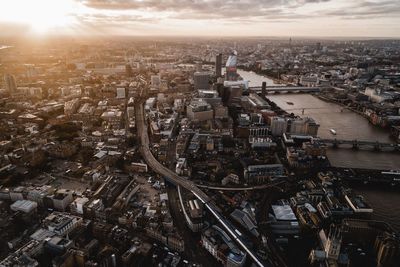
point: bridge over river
(362, 144)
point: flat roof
(284, 213)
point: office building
(278, 126)
(201, 80)
(231, 67)
(199, 110)
(218, 65)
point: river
(348, 125)
(256, 79)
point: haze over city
(336, 18)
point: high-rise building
(231, 67)
(201, 80)
(264, 89)
(9, 82)
(218, 65)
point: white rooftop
(284, 213)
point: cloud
(367, 10)
(253, 10)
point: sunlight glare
(40, 15)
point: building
(259, 173)
(278, 126)
(218, 65)
(309, 81)
(61, 199)
(377, 95)
(180, 166)
(113, 117)
(283, 220)
(387, 248)
(61, 223)
(257, 102)
(332, 243)
(121, 93)
(70, 107)
(242, 217)
(24, 255)
(201, 80)
(199, 110)
(78, 204)
(25, 206)
(222, 247)
(303, 126)
(155, 81)
(231, 67)
(9, 83)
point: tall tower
(10, 84)
(231, 69)
(218, 65)
(264, 89)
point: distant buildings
(9, 83)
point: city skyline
(336, 18)
(133, 133)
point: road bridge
(356, 144)
(277, 89)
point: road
(185, 183)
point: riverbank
(349, 125)
(373, 177)
(330, 100)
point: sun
(40, 15)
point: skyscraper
(9, 82)
(218, 65)
(231, 69)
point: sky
(308, 18)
